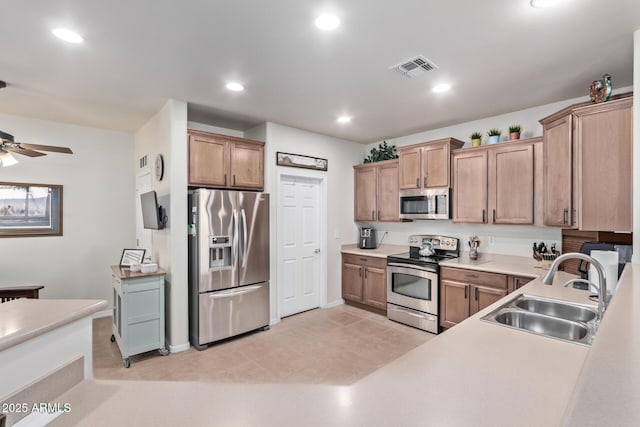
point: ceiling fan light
(7, 159)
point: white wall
(341, 156)
(215, 129)
(166, 133)
(98, 221)
(509, 240)
(636, 147)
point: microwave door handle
(245, 241)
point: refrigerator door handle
(234, 242)
(233, 292)
(245, 240)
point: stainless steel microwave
(425, 203)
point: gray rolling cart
(138, 312)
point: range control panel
(439, 242)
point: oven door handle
(416, 267)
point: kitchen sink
(557, 309)
(551, 318)
(544, 325)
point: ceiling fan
(8, 145)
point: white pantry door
(299, 244)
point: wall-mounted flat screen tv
(152, 214)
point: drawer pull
(364, 259)
(474, 276)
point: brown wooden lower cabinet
(364, 280)
(465, 292)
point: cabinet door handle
(360, 271)
(573, 216)
(417, 182)
(234, 179)
(484, 216)
(425, 182)
(565, 214)
(476, 294)
(365, 273)
(225, 179)
(378, 217)
(494, 216)
(465, 292)
(373, 215)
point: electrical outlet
(492, 240)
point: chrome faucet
(603, 298)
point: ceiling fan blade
(46, 148)
(24, 152)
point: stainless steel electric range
(413, 281)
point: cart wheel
(126, 362)
(266, 328)
(113, 338)
(164, 351)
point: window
(30, 210)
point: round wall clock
(159, 167)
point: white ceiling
(499, 56)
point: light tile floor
(339, 345)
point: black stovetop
(414, 258)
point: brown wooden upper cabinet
(588, 166)
(222, 161)
(376, 191)
(495, 184)
(426, 165)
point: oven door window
(412, 286)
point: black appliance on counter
(624, 256)
(413, 281)
(368, 239)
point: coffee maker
(367, 238)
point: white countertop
(477, 373)
(24, 318)
(496, 263)
(381, 252)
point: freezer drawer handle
(233, 292)
(419, 316)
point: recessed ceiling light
(441, 88)
(67, 35)
(327, 22)
(344, 119)
(235, 87)
(543, 3)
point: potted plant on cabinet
(383, 152)
(476, 139)
(514, 132)
(494, 135)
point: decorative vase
(514, 135)
(493, 139)
(476, 142)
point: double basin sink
(552, 318)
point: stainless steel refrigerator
(228, 264)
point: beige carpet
(339, 345)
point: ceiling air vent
(415, 66)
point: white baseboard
(180, 347)
(274, 321)
(334, 303)
(103, 313)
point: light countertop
(477, 373)
(496, 263)
(23, 319)
(382, 252)
(126, 273)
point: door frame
(321, 178)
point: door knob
(317, 251)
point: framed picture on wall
(30, 209)
(131, 256)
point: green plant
(383, 152)
(514, 128)
(476, 135)
(494, 132)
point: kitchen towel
(609, 261)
